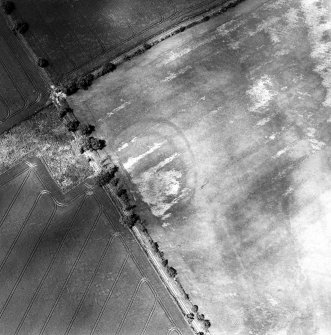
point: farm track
(50, 285)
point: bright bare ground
(68, 267)
(77, 35)
(224, 131)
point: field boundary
(133, 250)
(103, 160)
(36, 78)
(95, 65)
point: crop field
(68, 267)
(75, 35)
(224, 132)
(22, 89)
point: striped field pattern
(68, 267)
(76, 36)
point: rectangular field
(224, 131)
(77, 35)
(22, 88)
(68, 267)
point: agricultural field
(23, 90)
(76, 36)
(224, 132)
(68, 267)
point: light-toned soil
(224, 132)
(45, 136)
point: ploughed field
(77, 35)
(68, 267)
(224, 131)
(22, 88)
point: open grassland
(224, 131)
(77, 35)
(68, 267)
(22, 88)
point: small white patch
(261, 93)
(175, 55)
(173, 75)
(166, 216)
(263, 121)
(215, 111)
(117, 109)
(203, 98)
(281, 152)
(311, 132)
(46, 147)
(134, 160)
(316, 145)
(123, 146)
(272, 137)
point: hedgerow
(73, 125)
(21, 27)
(86, 129)
(42, 62)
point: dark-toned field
(77, 35)
(225, 133)
(68, 267)
(22, 89)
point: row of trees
(199, 316)
(20, 27)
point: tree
(165, 262)
(130, 220)
(147, 46)
(190, 316)
(108, 67)
(93, 144)
(96, 144)
(155, 246)
(115, 181)
(7, 6)
(21, 27)
(73, 125)
(105, 176)
(172, 272)
(64, 111)
(87, 129)
(200, 317)
(206, 324)
(70, 87)
(42, 62)
(85, 82)
(195, 309)
(121, 191)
